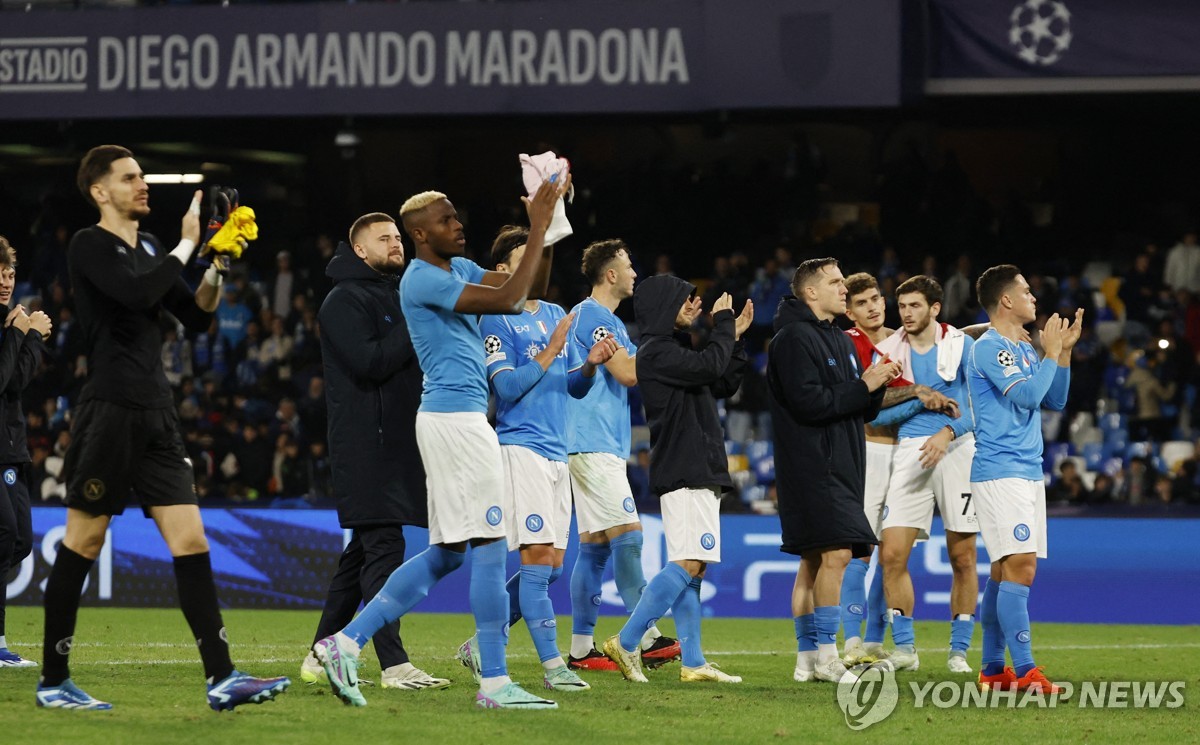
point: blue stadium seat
(1113, 422)
(759, 449)
(1093, 453)
(754, 493)
(1052, 454)
(1140, 450)
(765, 470)
(734, 448)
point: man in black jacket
(21, 352)
(373, 389)
(688, 465)
(820, 400)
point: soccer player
(378, 480)
(21, 351)
(599, 446)
(820, 398)
(865, 308)
(931, 465)
(527, 368)
(1008, 386)
(125, 437)
(442, 294)
(688, 466)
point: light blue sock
(513, 588)
(627, 566)
(660, 595)
(1012, 607)
(586, 579)
(489, 604)
(961, 631)
(827, 619)
(538, 610)
(876, 610)
(687, 623)
(406, 587)
(854, 598)
(806, 632)
(903, 635)
(993, 636)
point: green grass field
(144, 661)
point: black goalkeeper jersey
(121, 292)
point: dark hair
(509, 239)
(927, 286)
(366, 221)
(993, 283)
(859, 283)
(8, 257)
(807, 270)
(597, 255)
(96, 165)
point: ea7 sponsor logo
(43, 64)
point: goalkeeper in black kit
(125, 434)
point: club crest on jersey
(1006, 358)
(1024, 637)
(494, 515)
(708, 541)
(1021, 532)
(628, 505)
(10, 476)
(491, 344)
(534, 523)
(600, 334)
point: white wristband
(184, 250)
(212, 276)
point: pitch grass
(144, 661)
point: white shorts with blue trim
(463, 475)
(1012, 516)
(537, 498)
(603, 498)
(692, 524)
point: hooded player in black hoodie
(373, 389)
(688, 467)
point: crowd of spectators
(251, 393)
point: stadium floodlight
(174, 178)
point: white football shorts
(538, 498)
(463, 475)
(1012, 516)
(603, 498)
(692, 524)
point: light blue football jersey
(924, 372)
(447, 343)
(538, 420)
(1008, 437)
(599, 422)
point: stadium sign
(570, 56)
(1062, 46)
(265, 558)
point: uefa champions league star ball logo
(492, 344)
(867, 694)
(1040, 30)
